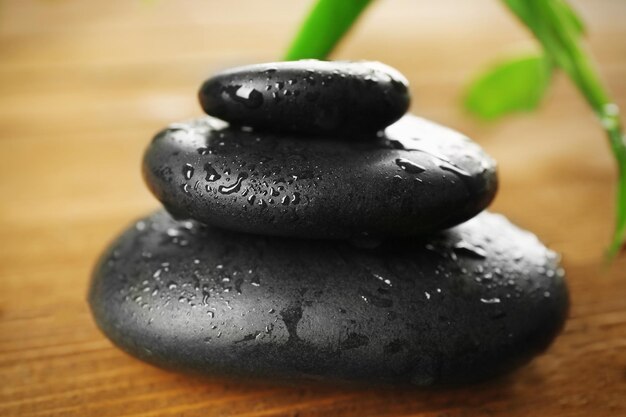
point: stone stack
(313, 231)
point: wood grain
(84, 85)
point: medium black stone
(417, 178)
(472, 302)
(308, 96)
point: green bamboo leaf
(524, 11)
(326, 24)
(521, 10)
(514, 85)
(559, 30)
(569, 14)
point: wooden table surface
(85, 84)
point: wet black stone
(308, 96)
(418, 178)
(467, 304)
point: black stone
(417, 178)
(308, 96)
(470, 303)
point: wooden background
(85, 84)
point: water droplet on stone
(211, 173)
(409, 166)
(187, 171)
(229, 189)
(248, 96)
(463, 247)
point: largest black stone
(470, 303)
(417, 178)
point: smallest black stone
(308, 96)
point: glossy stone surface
(308, 96)
(470, 303)
(418, 178)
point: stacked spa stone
(314, 231)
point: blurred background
(83, 87)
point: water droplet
(409, 166)
(248, 96)
(448, 166)
(380, 278)
(187, 171)
(463, 247)
(233, 188)
(211, 173)
(376, 300)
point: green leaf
(521, 10)
(559, 30)
(525, 12)
(569, 14)
(324, 27)
(514, 85)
